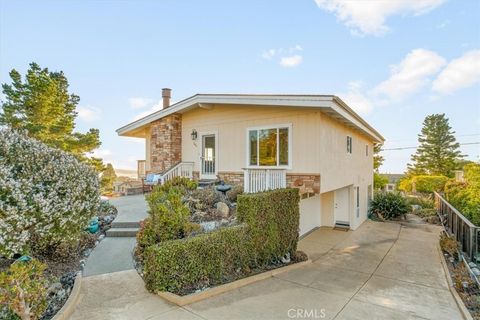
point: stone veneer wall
(165, 143)
(231, 177)
(308, 184)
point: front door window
(208, 156)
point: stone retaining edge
(66, 311)
(194, 297)
(466, 314)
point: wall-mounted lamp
(194, 134)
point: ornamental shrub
(388, 205)
(23, 289)
(424, 201)
(168, 216)
(45, 194)
(269, 231)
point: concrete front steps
(123, 229)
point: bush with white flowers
(46, 195)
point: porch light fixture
(194, 134)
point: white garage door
(309, 214)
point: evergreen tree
(108, 178)
(42, 106)
(377, 158)
(438, 153)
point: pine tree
(377, 158)
(438, 153)
(108, 178)
(42, 107)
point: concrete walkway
(380, 271)
(115, 253)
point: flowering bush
(45, 194)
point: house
(393, 179)
(125, 186)
(312, 142)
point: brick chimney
(166, 95)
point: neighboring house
(125, 186)
(312, 142)
(393, 179)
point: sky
(393, 61)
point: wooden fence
(464, 231)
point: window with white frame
(269, 146)
(349, 144)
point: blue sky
(393, 61)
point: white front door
(342, 206)
(208, 157)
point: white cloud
(357, 100)
(269, 54)
(155, 107)
(459, 73)
(88, 113)
(409, 75)
(369, 17)
(139, 102)
(291, 61)
(287, 56)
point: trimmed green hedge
(423, 184)
(269, 231)
(273, 218)
(191, 263)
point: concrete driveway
(380, 271)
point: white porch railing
(257, 180)
(182, 169)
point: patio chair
(150, 180)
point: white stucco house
(312, 142)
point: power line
(406, 148)
(414, 139)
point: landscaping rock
(222, 209)
(286, 258)
(54, 288)
(476, 271)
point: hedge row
(183, 265)
(423, 184)
(273, 220)
(269, 231)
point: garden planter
(66, 311)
